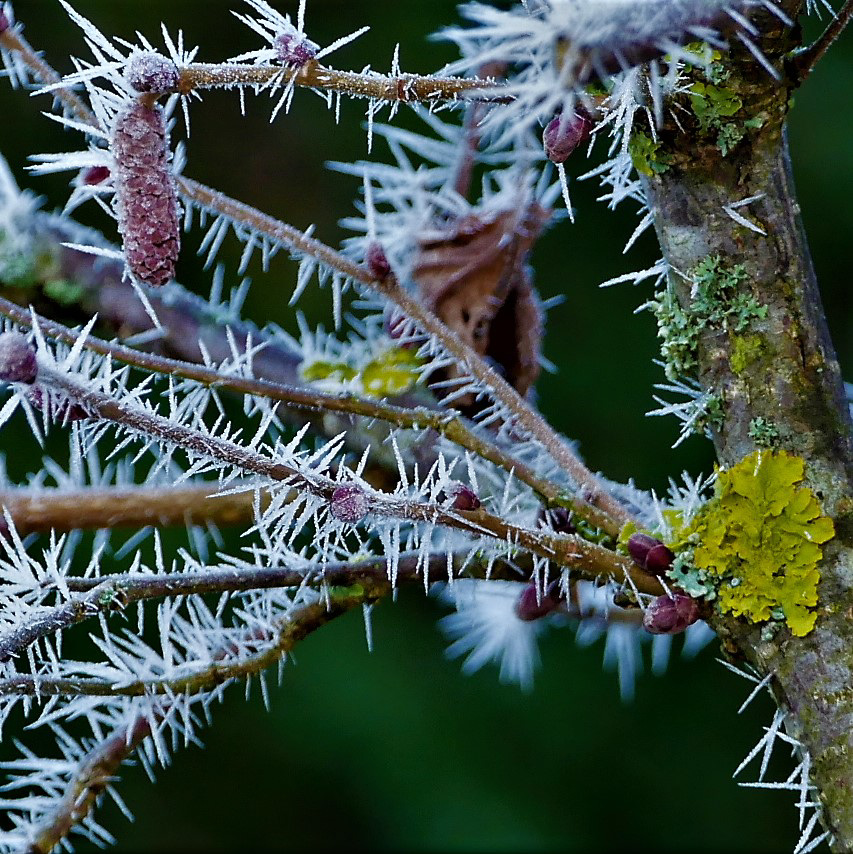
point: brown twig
(807, 58)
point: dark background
(396, 749)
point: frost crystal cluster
(404, 448)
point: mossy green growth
(712, 105)
(760, 540)
(746, 349)
(763, 432)
(718, 302)
(646, 155)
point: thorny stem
(588, 485)
(98, 768)
(806, 59)
(450, 425)
(405, 88)
(92, 508)
(573, 552)
(95, 772)
(292, 629)
(117, 592)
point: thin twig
(573, 552)
(404, 88)
(93, 508)
(449, 424)
(590, 488)
(806, 59)
(94, 773)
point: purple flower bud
(532, 606)
(292, 49)
(563, 134)
(17, 358)
(650, 554)
(377, 261)
(669, 615)
(95, 175)
(146, 197)
(558, 519)
(148, 71)
(464, 498)
(349, 503)
(4, 22)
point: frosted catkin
(146, 198)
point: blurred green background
(396, 749)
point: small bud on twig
(563, 134)
(558, 519)
(63, 411)
(650, 554)
(462, 497)
(349, 503)
(531, 606)
(148, 71)
(4, 22)
(377, 261)
(293, 50)
(17, 358)
(95, 175)
(669, 615)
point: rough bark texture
(781, 368)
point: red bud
(669, 615)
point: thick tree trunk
(782, 369)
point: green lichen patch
(763, 432)
(718, 302)
(759, 539)
(746, 349)
(714, 106)
(647, 155)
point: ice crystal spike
(61, 411)
(650, 553)
(148, 71)
(532, 605)
(563, 134)
(293, 50)
(349, 503)
(146, 198)
(17, 359)
(377, 261)
(669, 615)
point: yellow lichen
(761, 537)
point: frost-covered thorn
(150, 72)
(564, 133)
(291, 49)
(17, 358)
(533, 606)
(146, 197)
(650, 554)
(349, 503)
(558, 519)
(462, 497)
(95, 175)
(377, 261)
(669, 615)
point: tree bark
(783, 369)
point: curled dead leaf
(472, 272)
